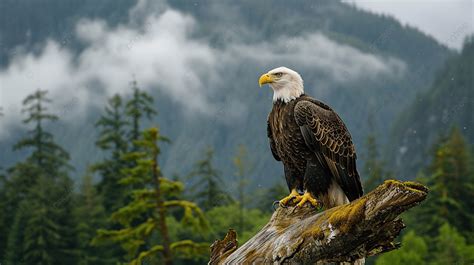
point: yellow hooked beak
(265, 79)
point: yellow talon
(293, 195)
(308, 198)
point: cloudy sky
(162, 54)
(146, 52)
(449, 21)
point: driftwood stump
(362, 228)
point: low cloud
(157, 48)
(160, 54)
(342, 63)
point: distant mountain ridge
(245, 23)
(449, 102)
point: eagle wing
(272, 142)
(327, 136)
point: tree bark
(362, 228)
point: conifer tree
(22, 177)
(152, 197)
(1, 115)
(450, 179)
(451, 247)
(39, 192)
(139, 106)
(3, 219)
(90, 216)
(42, 235)
(243, 169)
(207, 184)
(46, 155)
(14, 244)
(451, 183)
(41, 232)
(63, 204)
(3, 209)
(112, 128)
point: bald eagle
(312, 142)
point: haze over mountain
(449, 28)
(201, 61)
(449, 102)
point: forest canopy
(145, 156)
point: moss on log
(362, 228)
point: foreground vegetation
(134, 214)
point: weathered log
(362, 228)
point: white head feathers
(286, 84)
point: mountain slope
(357, 62)
(449, 102)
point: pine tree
(451, 247)
(153, 196)
(3, 210)
(243, 169)
(206, 183)
(1, 115)
(38, 193)
(450, 179)
(42, 234)
(451, 183)
(112, 128)
(90, 216)
(139, 106)
(14, 247)
(46, 154)
(2, 207)
(22, 177)
(64, 208)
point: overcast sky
(449, 21)
(164, 45)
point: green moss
(416, 185)
(342, 218)
(345, 217)
(407, 185)
(388, 183)
(315, 231)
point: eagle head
(286, 84)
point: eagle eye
(278, 74)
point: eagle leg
(294, 195)
(307, 197)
